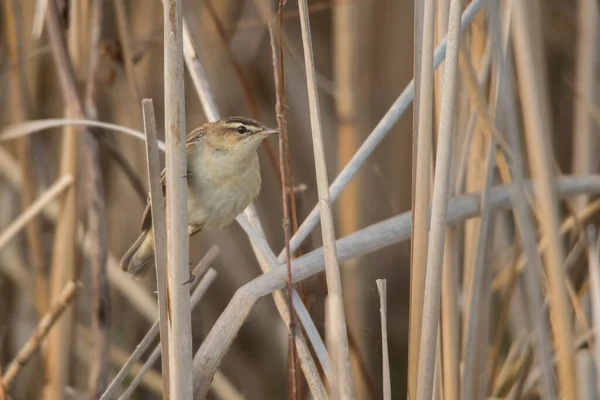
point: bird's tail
(139, 259)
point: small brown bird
(223, 178)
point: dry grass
(493, 298)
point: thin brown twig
(40, 332)
(278, 75)
(96, 224)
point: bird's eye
(242, 129)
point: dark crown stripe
(241, 120)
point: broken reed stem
(141, 348)
(435, 254)
(195, 298)
(536, 114)
(44, 326)
(279, 79)
(334, 283)
(179, 316)
(387, 383)
(159, 230)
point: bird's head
(236, 134)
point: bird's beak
(269, 132)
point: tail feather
(139, 259)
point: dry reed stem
(178, 308)
(332, 331)
(346, 59)
(44, 326)
(195, 298)
(387, 384)
(507, 98)
(334, 283)
(435, 254)
(441, 30)
(159, 230)
(478, 284)
(63, 255)
(529, 59)
(586, 380)
(450, 318)
(375, 137)
(198, 75)
(421, 191)
(584, 140)
(41, 7)
(154, 330)
(34, 209)
(368, 240)
(594, 267)
(22, 111)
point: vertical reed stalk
(529, 59)
(178, 310)
(584, 130)
(159, 230)
(421, 191)
(435, 254)
(334, 283)
(63, 265)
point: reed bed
(451, 255)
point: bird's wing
(147, 217)
(191, 138)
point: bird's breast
(218, 192)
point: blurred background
(364, 59)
